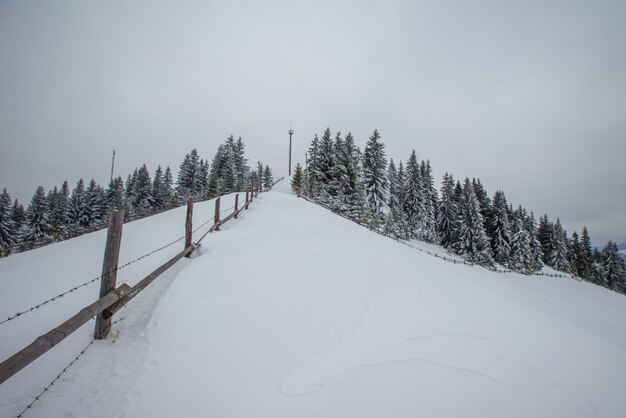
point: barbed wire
(88, 282)
(47, 388)
(442, 257)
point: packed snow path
(295, 312)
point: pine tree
(545, 234)
(558, 256)
(95, 209)
(189, 182)
(169, 196)
(473, 242)
(242, 170)
(340, 183)
(413, 205)
(141, 203)
(500, 229)
(158, 189)
(8, 235)
(296, 181)
(375, 176)
(520, 256)
(586, 255)
(536, 252)
(325, 167)
(37, 223)
(77, 206)
(115, 195)
(428, 231)
(597, 268)
(613, 267)
(395, 224)
(575, 256)
(18, 216)
(268, 178)
(447, 215)
(485, 204)
(310, 179)
(57, 210)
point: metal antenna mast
(290, 135)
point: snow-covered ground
(292, 311)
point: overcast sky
(530, 96)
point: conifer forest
(402, 199)
(65, 212)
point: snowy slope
(292, 311)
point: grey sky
(530, 96)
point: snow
(293, 311)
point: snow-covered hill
(292, 311)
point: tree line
(63, 213)
(460, 216)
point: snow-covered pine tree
(520, 255)
(168, 188)
(77, 207)
(311, 186)
(447, 215)
(574, 255)
(536, 252)
(115, 194)
(296, 181)
(356, 202)
(188, 176)
(613, 267)
(57, 210)
(95, 209)
(428, 231)
(8, 235)
(485, 204)
(142, 202)
(597, 268)
(545, 234)
(587, 256)
(394, 225)
(18, 215)
(242, 170)
(558, 256)
(268, 178)
(340, 183)
(473, 242)
(325, 166)
(375, 177)
(159, 190)
(500, 229)
(37, 223)
(413, 205)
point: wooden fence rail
(113, 299)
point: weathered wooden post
(247, 200)
(216, 222)
(189, 225)
(236, 205)
(109, 268)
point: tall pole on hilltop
(112, 165)
(290, 135)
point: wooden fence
(113, 298)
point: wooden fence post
(189, 225)
(109, 268)
(247, 199)
(216, 222)
(236, 205)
